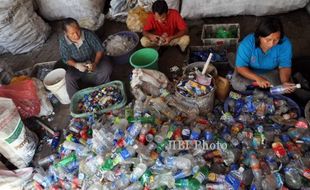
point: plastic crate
(80, 94)
(222, 66)
(209, 34)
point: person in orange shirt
(165, 27)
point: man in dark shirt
(82, 50)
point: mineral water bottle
(138, 172)
(281, 89)
(48, 159)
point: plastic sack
(17, 143)
(46, 107)
(24, 95)
(136, 19)
(216, 8)
(21, 29)
(15, 180)
(87, 12)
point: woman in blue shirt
(264, 57)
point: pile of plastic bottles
(131, 149)
(100, 99)
(195, 84)
(119, 44)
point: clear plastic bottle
(179, 162)
(269, 182)
(281, 89)
(134, 186)
(257, 172)
(137, 172)
(195, 133)
(161, 136)
(48, 159)
(292, 177)
(78, 148)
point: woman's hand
(262, 82)
(290, 87)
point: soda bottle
(201, 175)
(187, 184)
(180, 174)
(281, 89)
(48, 159)
(269, 182)
(144, 130)
(137, 172)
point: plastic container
(80, 94)
(124, 58)
(205, 103)
(221, 34)
(145, 58)
(56, 83)
(222, 66)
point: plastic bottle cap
(241, 169)
(298, 86)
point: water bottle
(234, 178)
(78, 148)
(257, 172)
(125, 153)
(195, 133)
(134, 129)
(179, 162)
(160, 137)
(281, 89)
(47, 159)
(137, 172)
(144, 130)
(216, 178)
(180, 174)
(134, 186)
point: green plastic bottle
(144, 119)
(108, 165)
(202, 174)
(188, 184)
(65, 161)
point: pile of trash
(156, 142)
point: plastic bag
(14, 180)
(17, 143)
(136, 19)
(46, 107)
(24, 95)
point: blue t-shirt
(254, 58)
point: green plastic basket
(80, 94)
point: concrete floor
(296, 25)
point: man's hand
(154, 38)
(80, 66)
(91, 67)
(262, 82)
(167, 40)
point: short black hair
(67, 22)
(160, 7)
(266, 27)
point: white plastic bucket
(56, 83)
